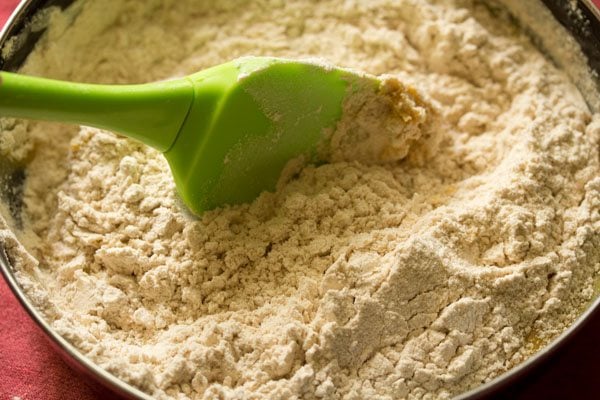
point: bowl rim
(16, 24)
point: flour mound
(380, 123)
(419, 278)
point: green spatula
(227, 132)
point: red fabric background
(31, 370)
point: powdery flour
(414, 279)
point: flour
(380, 122)
(414, 279)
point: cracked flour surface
(415, 279)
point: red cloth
(6, 7)
(31, 370)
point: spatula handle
(151, 113)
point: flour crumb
(379, 122)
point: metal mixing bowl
(583, 23)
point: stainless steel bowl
(582, 21)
